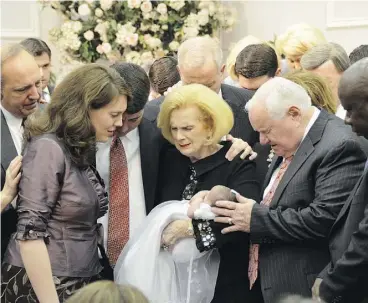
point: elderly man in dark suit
(345, 278)
(200, 61)
(318, 162)
(20, 93)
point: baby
(217, 193)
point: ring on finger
(230, 221)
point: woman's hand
(175, 231)
(13, 175)
(239, 146)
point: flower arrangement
(137, 31)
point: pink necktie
(118, 228)
(254, 248)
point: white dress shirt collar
(340, 112)
(12, 120)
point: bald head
(21, 81)
(353, 94)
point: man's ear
(222, 70)
(278, 72)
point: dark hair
(163, 74)
(36, 47)
(256, 60)
(359, 53)
(91, 86)
(138, 82)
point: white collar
(220, 93)
(311, 121)
(132, 135)
(11, 119)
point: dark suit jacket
(151, 143)
(236, 98)
(345, 278)
(9, 215)
(293, 231)
(232, 284)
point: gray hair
(194, 52)
(322, 53)
(278, 95)
(7, 52)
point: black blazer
(9, 215)
(236, 98)
(345, 278)
(232, 284)
(293, 231)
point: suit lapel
(305, 149)
(149, 163)
(347, 204)
(8, 150)
(274, 164)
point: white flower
(84, 10)
(177, 4)
(89, 1)
(159, 53)
(132, 39)
(203, 17)
(147, 16)
(77, 26)
(162, 8)
(153, 42)
(98, 12)
(174, 45)
(124, 31)
(106, 4)
(192, 20)
(88, 35)
(164, 27)
(99, 49)
(146, 6)
(163, 18)
(144, 27)
(106, 47)
(133, 57)
(190, 32)
(147, 58)
(134, 3)
(155, 28)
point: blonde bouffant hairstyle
(107, 292)
(298, 39)
(217, 115)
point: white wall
(264, 19)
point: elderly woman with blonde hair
(317, 88)
(194, 119)
(296, 41)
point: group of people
(209, 192)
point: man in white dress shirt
(42, 54)
(136, 136)
(20, 93)
(328, 60)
